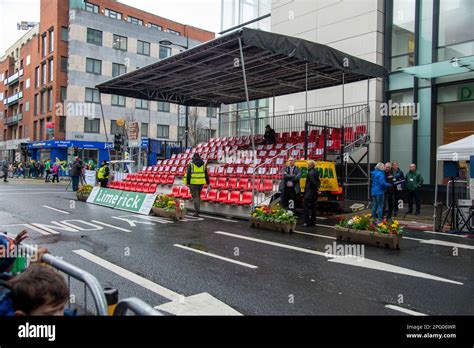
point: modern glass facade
(421, 33)
(236, 12)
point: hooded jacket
(379, 184)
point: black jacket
(312, 185)
(199, 162)
(76, 169)
(269, 137)
(295, 177)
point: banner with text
(135, 202)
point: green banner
(135, 202)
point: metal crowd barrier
(136, 306)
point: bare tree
(196, 127)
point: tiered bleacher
(231, 166)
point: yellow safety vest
(198, 176)
(101, 174)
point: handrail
(89, 280)
(135, 305)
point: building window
(118, 69)
(51, 70)
(162, 131)
(92, 8)
(92, 95)
(211, 112)
(144, 130)
(165, 52)
(27, 106)
(50, 100)
(63, 93)
(456, 29)
(62, 124)
(174, 32)
(155, 26)
(120, 42)
(143, 48)
(27, 83)
(115, 128)
(36, 103)
(44, 40)
(91, 125)
(181, 131)
(64, 64)
(35, 130)
(41, 130)
(64, 34)
(94, 37)
(141, 104)
(113, 14)
(51, 41)
(43, 74)
(164, 107)
(43, 102)
(134, 20)
(37, 77)
(93, 66)
(118, 100)
(403, 34)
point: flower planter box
(272, 226)
(82, 197)
(175, 215)
(391, 241)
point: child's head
(39, 290)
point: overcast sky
(199, 13)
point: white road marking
(147, 284)
(314, 235)
(351, 261)
(328, 226)
(446, 234)
(29, 193)
(111, 226)
(58, 210)
(142, 219)
(217, 218)
(31, 227)
(404, 310)
(29, 190)
(321, 218)
(216, 256)
(448, 244)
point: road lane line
(217, 218)
(446, 234)
(216, 256)
(55, 209)
(134, 278)
(404, 310)
(314, 235)
(350, 261)
(448, 244)
(111, 226)
(31, 227)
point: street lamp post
(186, 124)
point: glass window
(118, 100)
(94, 36)
(113, 14)
(162, 106)
(50, 100)
(174, 32)
(63, 93)
(51, 41)
(51, 70)
(118, 69)
(45, 44)
(41, 130)
(116, 129)
(62, 124)
(134, 20)
(37, 77)
(27, 106)
(92, 8)
(141, 104)
(403, 34)
(36, 104)
(163, 131)
(181, 131)
(43, 74)
(93, 66)
(401, 131)
(120, 42)
(92, 95)
(143, 48)
(456, 29)
(212, 112)
(64, 64)
(91, 125)
(64, 33)
(43, 102)
(165, 52)
(144, 130)
(155, 26)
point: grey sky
(199, 13)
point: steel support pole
(186, 126)
(252, 135)
(368, 140)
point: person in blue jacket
(379, 184)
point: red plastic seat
(163, 179)
(267, 185)
(232, 183)
(221, 183)
(146, 187)
(170, 180)
(151, 178)
(212, 181)
(222, 196)
(121, 185)
(246, 198)
(211, 196)
(139, 187)
(152, 188)
(156, 178)
(175, 192)
(243, 184)
(234, 197)
(185, 193)
(133, 186)
(203, 194)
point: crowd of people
(48, 170)
(389, 188)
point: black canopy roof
(210, 74)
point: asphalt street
(243, 269)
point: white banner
(90, 177)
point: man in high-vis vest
(196, 178)
(103, 174)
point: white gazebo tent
(460, 150)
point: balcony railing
(14, 78)
(14, 119)
(13, 99)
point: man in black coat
(311, 190)
(76, 173)
(290, 185)
(270, 136)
